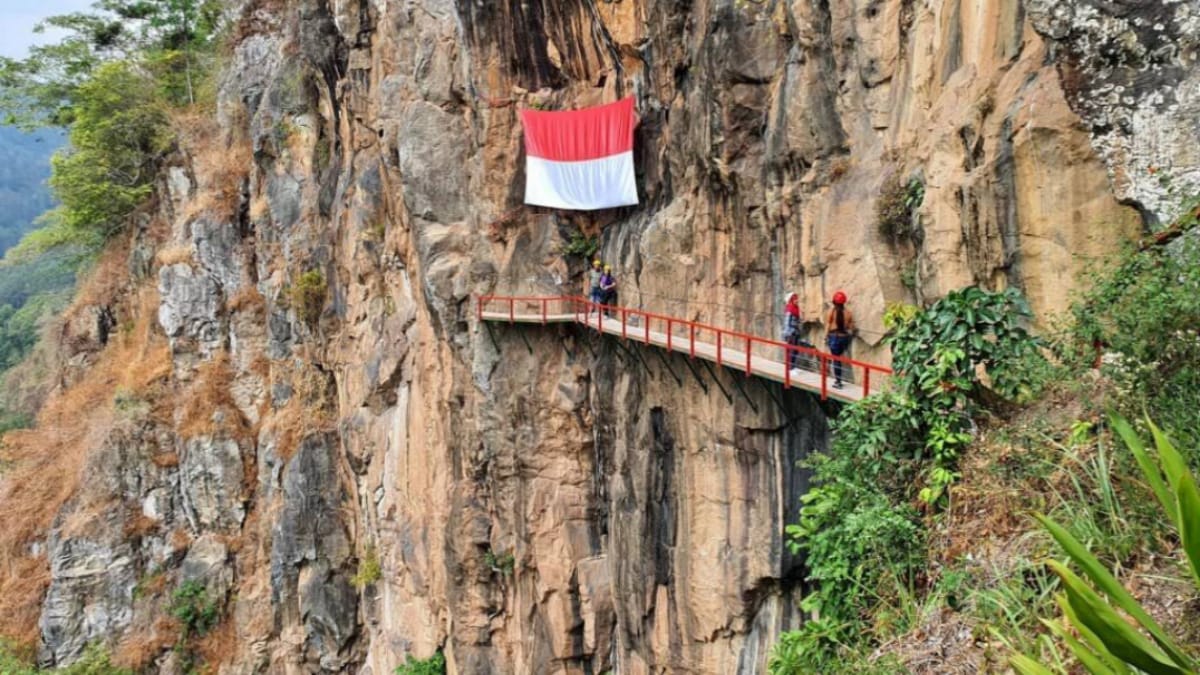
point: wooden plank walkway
(637, 327)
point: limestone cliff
(278, 379)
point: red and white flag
(580, 159)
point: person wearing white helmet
(791, 328)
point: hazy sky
(18, 17)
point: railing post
(599, 317)
(647, 319)
(787, 371)
(749, 350)
(824, 377)
(719, 346)
(668, 333)
(866, 381)
(543, 311)
(624, 322)
(692, 339)
(511, 311)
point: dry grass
(221, 164)
(208, 407)
(137, 649)
(307, 412)
(249, 300)
(219, 646)
(108, 279)
(72, 423)
(166, 460)
(173, 255)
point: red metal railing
(543, 309)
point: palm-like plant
(1116, 635)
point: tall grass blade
(1109, 586)
(1027, 666)
(1189, 519)
(1172, 462)
(1090, 660)
(1149, 469)
(1123, 641)
(1117, 665)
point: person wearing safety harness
(791, 328)
(594, 274)
(839, 330)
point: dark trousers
(839, 344)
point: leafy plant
(503, 563)
(434, 665)
(582, 246)
(369, 568)
(1143, 316)
(1115, 633)
(193, 608)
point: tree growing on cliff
(112, 81)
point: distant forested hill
(24, 168)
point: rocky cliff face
(300, 389)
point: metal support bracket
(696, 374)
(488, 326)
(728, 398)
(667, 365)
(778, 402)
(634, 355)
(737, 383)
(526, 341)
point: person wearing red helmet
(839, 331)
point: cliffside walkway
(749, 354)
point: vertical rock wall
(540, 500)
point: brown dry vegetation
(208, 407)
(173, 255)
(248, 300)
(221, 164)
(71, 423)
(138, 649)
(309, 411)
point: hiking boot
(837, 385)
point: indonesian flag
(580, 159)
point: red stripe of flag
(580, 135)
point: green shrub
(193, 608)
(308, 297)
(369, 568)
(503, 563)
(434, 665)
(1144, 315)
(582, 246)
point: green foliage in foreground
(863, 538)
(434, 665)
(95, 661)
(1113, 634)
